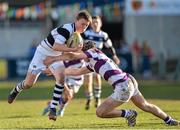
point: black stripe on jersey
(84, 36)
(64, 32)
(73, 26)
(105, 40)
(50, 39)
(96, 38)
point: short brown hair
(84, 14)
(88, 45)
(97, 17)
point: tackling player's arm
(65, 56)
(64, 48)
(76, 71)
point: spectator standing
(146, 55)
(136, 49)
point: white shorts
(125, 90)
(75, 83)
(36, 66)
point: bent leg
(141, 102)
(30, 80)
(65, 99)
(26, 84)
(107, 109)
(59, 87)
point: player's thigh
(108, 105)
(57, 69)
(36, 66)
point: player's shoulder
(103, 33)
(68, 26)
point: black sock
(167, 120)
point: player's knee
(60, 78)
(146, 107)
(100, 113)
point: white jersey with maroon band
(74, 80)
(104, 66)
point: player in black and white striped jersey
(101, 39)
(53, 45)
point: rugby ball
(74, 40)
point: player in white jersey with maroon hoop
(92, 82)
(71, 87)
(125, 85)
(53, 45)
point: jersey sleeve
(64, 34)
(107, 41)
(88, 54)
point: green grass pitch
(25, 112)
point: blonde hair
(84, 14)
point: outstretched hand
(116, 60)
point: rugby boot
(12, 96)
(52, 114)
(131, 119)
(173, 122)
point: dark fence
(17, 67)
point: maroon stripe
(73, 62)
(88, 54)
(98, 64)
(110, 73)
(90, 68)
(77, 79)
(120, 80)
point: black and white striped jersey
(101, 38)
(60, 34)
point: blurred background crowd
(145, 33)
